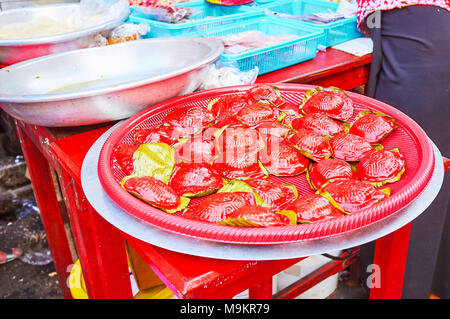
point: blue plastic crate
(335, 32)
(208, 16)
(273, 57)
(260, 2)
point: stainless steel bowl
(103, 84)
(18, 50)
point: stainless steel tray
(18, 50)
(103, 84)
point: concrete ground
(21, 227)
(32, 275)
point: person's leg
(415, 78)
(415, 69)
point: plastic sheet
(168, 14)
(313, 18)
(215, 76)
(248, 40)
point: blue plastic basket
(208, 16)
(335, 32)
(260, 2)
(273, 57)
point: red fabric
(366, 7)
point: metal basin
(103, 84)
(18, 50)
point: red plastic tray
(409, 138)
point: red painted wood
(112, 259)
(200, 277)
(44, 191)
(82, 231)
(41, 138)
(389, 264)
(70, 151)
(346, 80)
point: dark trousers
(411, 71)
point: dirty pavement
(26, 267)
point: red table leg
(115, 273)
(389, 264)
(261, 291)
(82, 231)
(44, 191)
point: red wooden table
(101, 247)
(328, 68)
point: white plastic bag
(122, 33)
(168, 14)
(216, 76)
